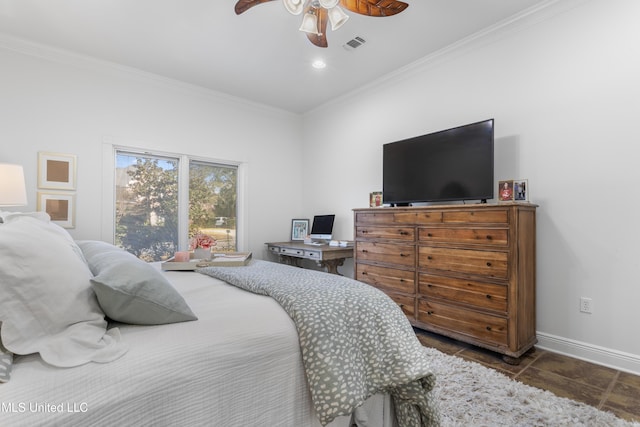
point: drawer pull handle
(489, 237)
(364, 231)
(400, 305)
(429, 313)
(401, 280)
(429, 235)
(364, 251)
(364, 273)
(404, 233)
(488, 296)
(404, 255)
(488, 264)
(488, 328)
(429, 257)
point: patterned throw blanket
(355, 341)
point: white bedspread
(238, 365)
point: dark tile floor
(604, 388)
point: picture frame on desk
(299, 229)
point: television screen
(450, 165)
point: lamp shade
(293, 6)
(13, 191)
(309, 23)
(328, 4)
(337, 17)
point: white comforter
(238, 365)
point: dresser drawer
(406, 303)
(405, 217)
(478, 216)
(388, 253)
(488, 328)
(394, 233)
(388, 279)
(475, 236)
(483, 263)
(488, 296)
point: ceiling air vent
(354, 43)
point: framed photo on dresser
(505, 191)
(521, 190)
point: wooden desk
(327, 256)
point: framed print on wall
(299, 229)
(56, 171)
(60, 206)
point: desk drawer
(292, 252)
(313, 254)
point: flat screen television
(450, 165)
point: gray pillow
(131, 291)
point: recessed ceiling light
(319, 64)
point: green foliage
(147, 220)
(147, 204)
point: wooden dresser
(464, 271)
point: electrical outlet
(586, 305)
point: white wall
(563, 90)
(69, 104)
(565, 94)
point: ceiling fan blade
(374, 7)
(320, 40)
(244, 5)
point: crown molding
(76, 60)
(538, 13)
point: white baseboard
(592, 353)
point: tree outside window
(148, 208)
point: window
(151, 200)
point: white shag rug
(471, 395)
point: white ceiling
(259, 55)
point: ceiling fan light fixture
(337, 17)
(328, 4)
(294, 6)
(309, 23)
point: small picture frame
(56, 171)
(505, 191)
(299, 229)
(521, 190)
(375, 199)
(60, 206)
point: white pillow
(47, 305)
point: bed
(229, 357)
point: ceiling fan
(317, 13)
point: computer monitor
(322, 227)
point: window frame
(111, 148)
